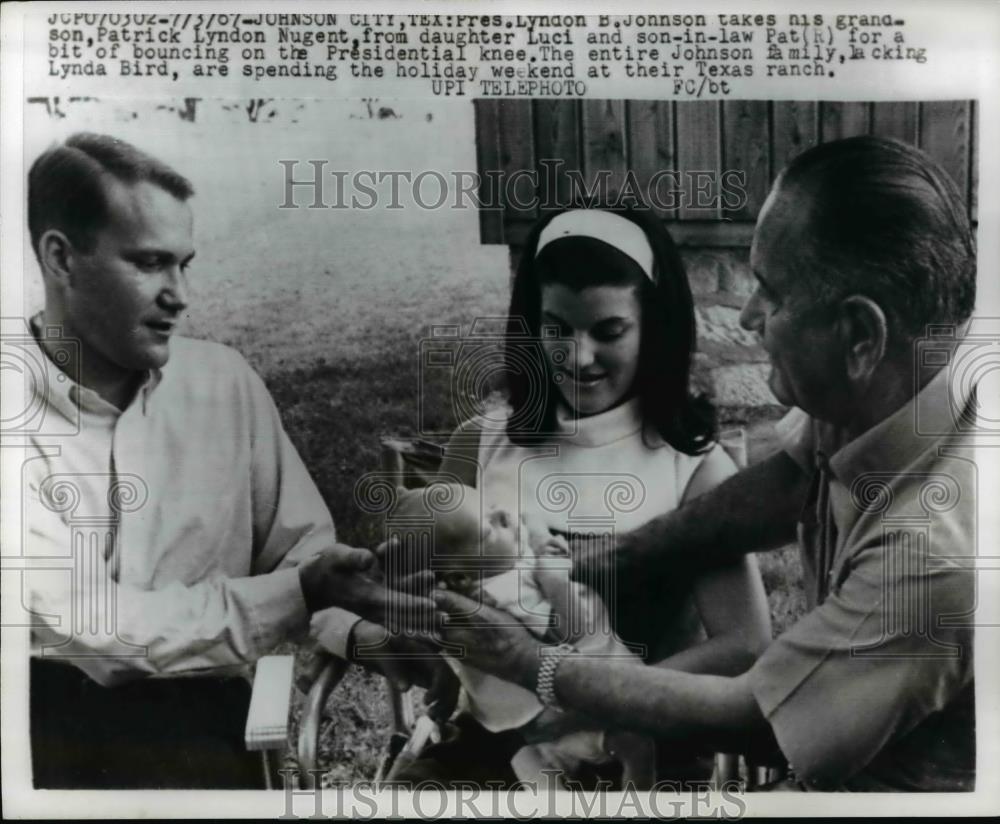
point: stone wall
(730, 362)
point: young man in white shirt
(163, 477)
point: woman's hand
(489, 639)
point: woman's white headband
(613, 229)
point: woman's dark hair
(667, 343)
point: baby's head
(469, 545)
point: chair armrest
(307, 751)
(267, 717)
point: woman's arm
(734, 611)
(731, 600)
(461, 455)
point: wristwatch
(551, 658)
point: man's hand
(347, 577)
(405, 568)
(489, 639)
(406, 662)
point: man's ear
(865, 333)
(55, 255)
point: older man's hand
(348, 577)
(488, 639)
(406, 662)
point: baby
(525, 570)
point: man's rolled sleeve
(279, 606)
(852, 675)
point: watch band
(551, 658)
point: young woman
(602, 433)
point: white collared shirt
(166, 534)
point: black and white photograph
(436, 414)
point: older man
(162, 472)
(865, 267)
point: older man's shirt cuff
(331, 629)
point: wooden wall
(646, 136)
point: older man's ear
(865, 334)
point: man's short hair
(883, 220)
(66, 185)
